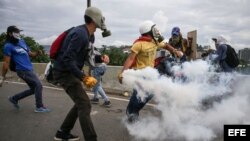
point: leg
(95, 99)
(81, 109)
(102, 92)
(136, 104)
(35, 87)
(95, 90)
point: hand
(89, 81)
(120, 77)
(179, 54)
(105, 59)
(1, 80)
(210, 50)
(39, 52)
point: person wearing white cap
(142, 55)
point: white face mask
(157, 34)
(16, 35)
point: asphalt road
(26, 125)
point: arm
(102, 59)
(128, 64)
(6, 63)
(129, 61)
(35, 54)
(173, 50)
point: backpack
(232, 59)
(57, 44)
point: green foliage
(116, 55)
(2, 40)
(34, 46)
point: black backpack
(232, 59)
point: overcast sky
(45, 19)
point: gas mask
(176, 39)
(96, 15)
(103, 27)
(157, 34)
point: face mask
(16, 35)
(157, 35)
(176, 40)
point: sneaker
(61, 136)
(107, 104)
(42, 110)
(14, 102)
(94, 100)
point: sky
(44, 20)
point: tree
(34, 46)
(116, 55)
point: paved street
(25, 125)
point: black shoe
(94, 100)
(107, 104)
(14, 102)
(132, 118)
(61, 136)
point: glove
(120, 77)
(89, 81)
(1, 80)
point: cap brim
(17, 30)
(214, 39)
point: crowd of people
(67, 68)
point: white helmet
(146, 27)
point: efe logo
(236, 132)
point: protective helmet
(175, 31)
(96, 15)
(146, 27)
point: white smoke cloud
(192, 108)
(161, 20)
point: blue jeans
(99, 90)
(136, 104)
(35, 87)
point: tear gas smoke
(194, 107)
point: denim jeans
(82, 107)
(99, 90)
(136, 103)
(98, 72)
(35, 87)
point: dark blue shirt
(20, 54)
(72, 55)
